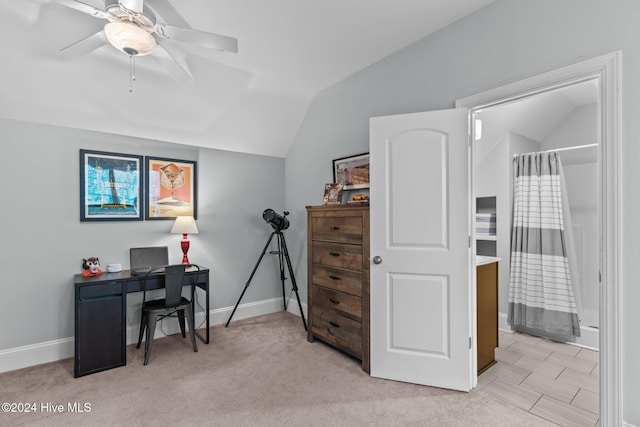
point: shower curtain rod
(575, 147)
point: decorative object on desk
(352, 171)
(332, 194)
(110, 187)
(91, 267)
(185, 225)
(171, 188)
(114, 268)
(359, 199)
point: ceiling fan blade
(210, 40)
(77, 5)
(85, 45)
(169, 13)
(176, 57)
(84, 7)
(134, 6)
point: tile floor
(555, 381)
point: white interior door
(420, 271)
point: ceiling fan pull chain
(132, 71)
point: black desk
(101, 311)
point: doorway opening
(603, 72)
(564, 121)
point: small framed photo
(332, 194)
(352, 172)
(171, 188)
(110, 187)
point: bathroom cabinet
(487, 314)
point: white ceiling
(537, 116)
(253, 101)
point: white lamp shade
(185, 225)
(129, 38)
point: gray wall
(507, 41)
(44, 241)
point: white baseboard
(589, 336)
(502, 323)
(35, 354)
(51, 351)
(219, 317)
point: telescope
(278, 223)
(275, 220)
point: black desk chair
(173, 305)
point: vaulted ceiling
(253, 101)
(538, 115)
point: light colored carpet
(257, 372)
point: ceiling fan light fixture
(129, 38)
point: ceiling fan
(132, 28)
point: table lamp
(184, 225)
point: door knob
(377, 259)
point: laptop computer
(141, 260)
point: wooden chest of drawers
(338, 278)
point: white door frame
(606, 69)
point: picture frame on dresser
(332, 194)
(352, 171)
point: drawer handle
(334, 324)
(334, 277)
(335, 228)
(336, 254)
(334, 301)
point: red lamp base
(184, 244)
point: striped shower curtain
(541, 294)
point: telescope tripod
(283, 256)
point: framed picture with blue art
(171, 188)
(110, 187)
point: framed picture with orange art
(171, 188)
